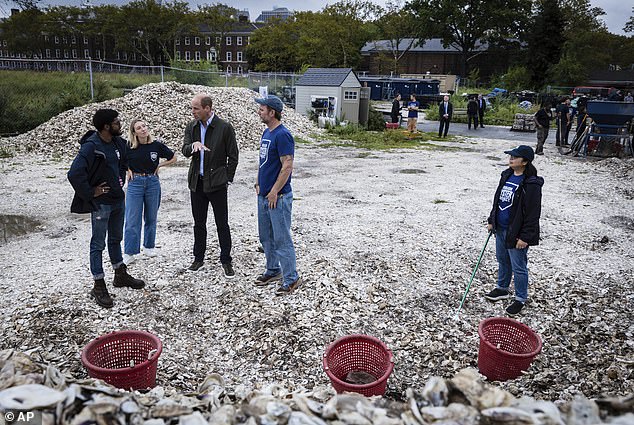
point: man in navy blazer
(445, 111)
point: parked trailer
(385, 88)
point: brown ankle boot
(100, 293)
(122, 278)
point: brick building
(430, 57)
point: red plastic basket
(109, 357)
(507, 348)
(358, 353)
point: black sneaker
(288, 289)
(195, 265)
(498, 294)
(265, 279)
(514, 308)
(228, 270)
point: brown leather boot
(100, 293)
(122, 278)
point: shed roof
(332, 77)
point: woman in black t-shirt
(144, 190)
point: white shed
(330, 92)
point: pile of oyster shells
(30, 386)
(166, 107)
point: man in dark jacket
(97, 174)
(211, 144)
(514, 219)
(395, 114)
(482, 107)
(542, 123)
(472, 113)
(445, 111)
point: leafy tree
(347, 26)
(396, 25)
(220, 19)
(22, 31)
(629, 25)
(545, 41)
(466, 24)
(273, 47)
(149, 28)
(330, 38)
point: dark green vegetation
(27, 99)
(353, 136)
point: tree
(396, 26)
(468, 24)
(330, 38)
(149, 28)
(348, 27)
(629, 25)
(219, 19)
(274, 46)
(22, 31)
(545, 41)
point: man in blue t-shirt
(412, 113)
(275, 198)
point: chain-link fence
(26, 102)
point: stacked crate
(523, 122)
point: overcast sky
(617, 11)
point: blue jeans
(511, 261)
(142, 200)
(274, 226)
(106, 219)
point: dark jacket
(441, 110)
(396, 109)
(472, 107)
(525, 211)
(220, 162)
(482, 108)
(90, 169)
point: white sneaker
(150, 252)
(129, 259)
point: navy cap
(522, 151)
(272, 102)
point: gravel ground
(386, 243)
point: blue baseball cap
(272, 102)
(522, 151)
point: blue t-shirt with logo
(273, 145)
(413, 113)
(506, 199)
(145, 158)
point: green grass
(353, 136)
(29, 98)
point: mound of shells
(166, 107)
(30, 386)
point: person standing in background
(395, 114)
(482, 107)
(412, 113)
(472, 113)
(445, 112)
